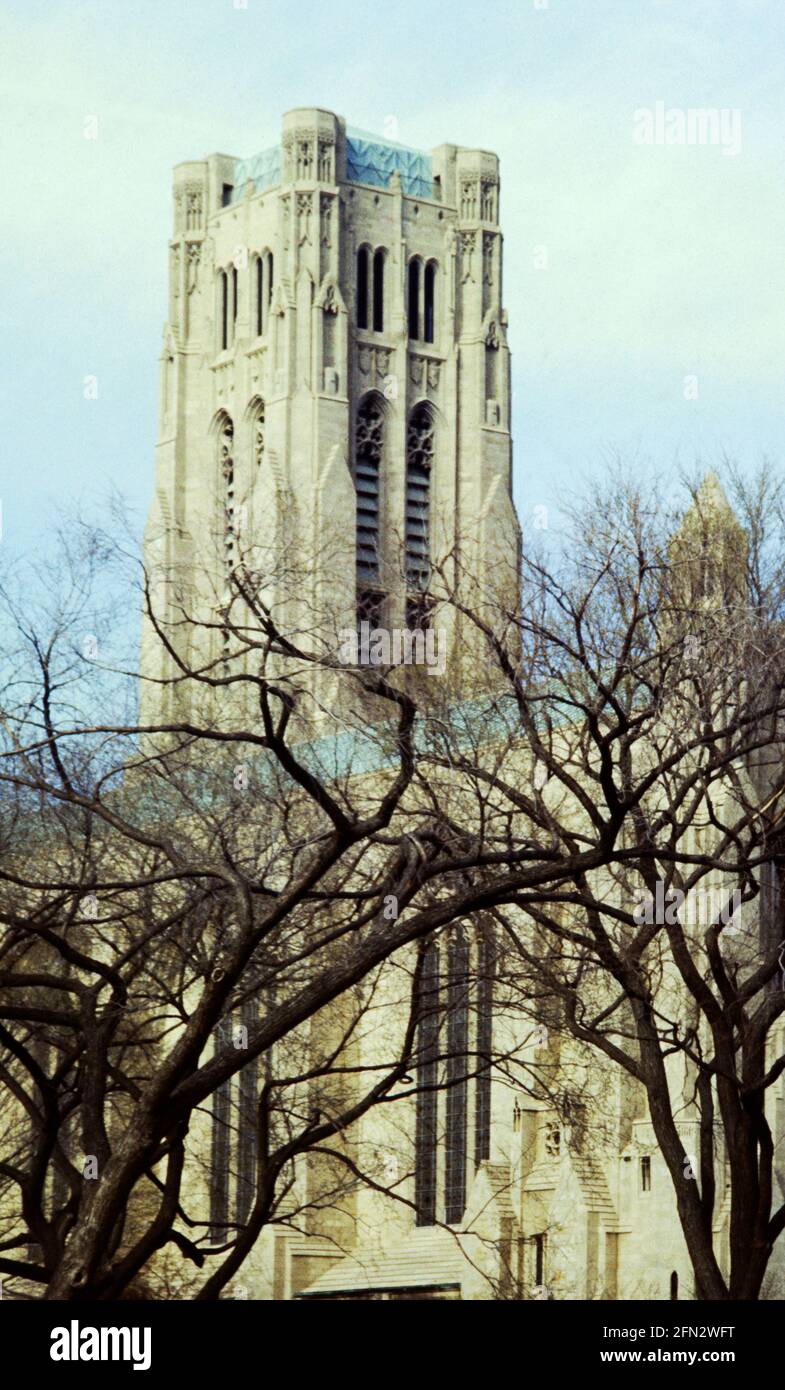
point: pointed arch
(222, 430)
(258, 423)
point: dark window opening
(674, 1286)
(414, 299)
(552, 1141)
(419, 611)
(378, 292)
(234, 300)
(269, 278)
(246, 1122)
(223, 291)
(362, 287)
(226, 464)
(419, 460)
(226, 194)
(368, 448)
(539, 1259)
(486, 963)
(646, 1174)
(259, 296)
(427, 1080)
(430, 296)
(219, 1164)
(370, 608)
(457, 1082)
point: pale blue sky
(663, 262)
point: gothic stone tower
(334, 392)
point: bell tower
(334, 401)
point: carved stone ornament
(467, 256)
(194, 257)
(304, 210)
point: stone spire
(708, 552)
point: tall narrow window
(269, 278)
(540, 1249)
(226, 466)
(414, 299)
(219, 1164)
(368, 451)
(258, 435)
(223, 309)
(457, 1085)
(430, 302)
(259, 294)
(482, 1092)
(378, 292)
(362, 287)
(674, 1286)
(247, 1123)
(234, 301)
(419, 460)
(427, 1095)
(646, 1173)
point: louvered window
(368, 450)
(419, 460)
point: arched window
(362, 287)
(223, 310)
(430, 302)
(258, 435)
(269, 278)
(234, 301)
(226, 467)
(368, 452)
(414, 298)
(674, 1286)
(419, 460)
(378, 291)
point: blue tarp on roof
(369, 159)
(262, 170)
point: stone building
(334, 365)
(335, 402)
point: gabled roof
(429, 1257)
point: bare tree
(226, 862)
